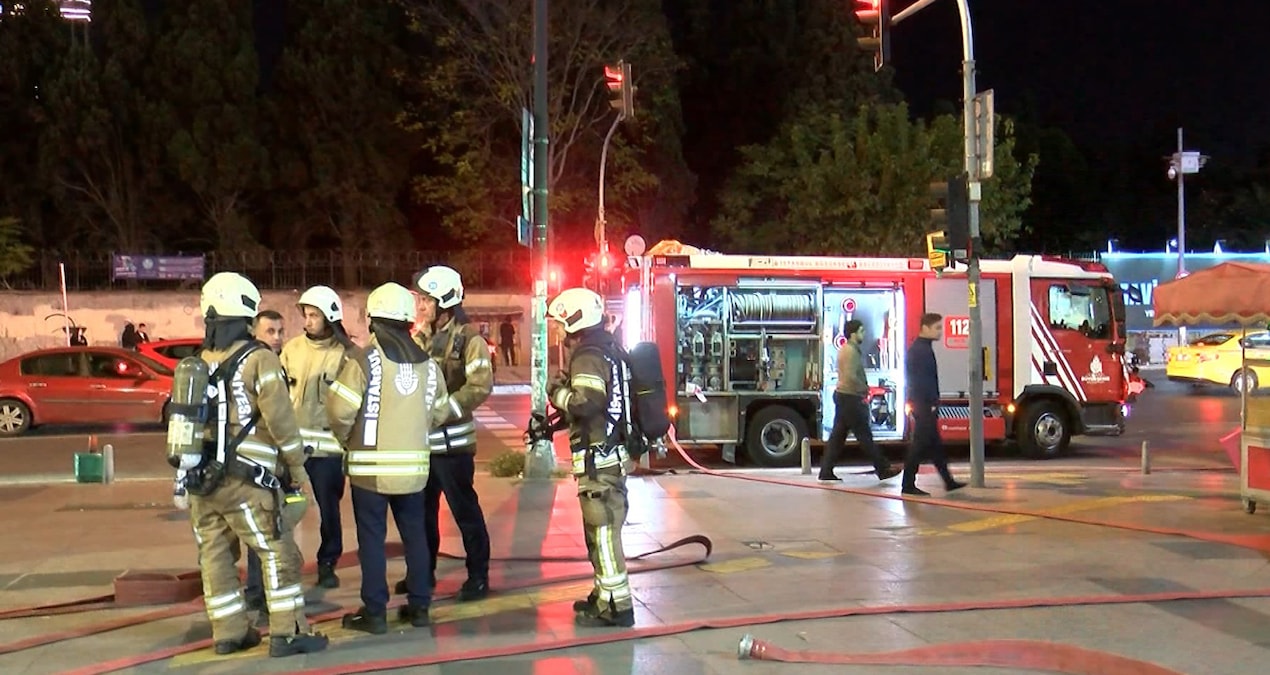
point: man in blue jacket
(923, 396)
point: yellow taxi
(1220, 359)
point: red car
(170, 352)
(81, 385)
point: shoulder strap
(224, 372)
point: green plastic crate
(88, 467)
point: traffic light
(621, 88)
(937, 250)
(951, 213)
(875, 18)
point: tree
(833, 185)
(15, 255)
(206, 117)
(478, 80)
(94, 148)
(333, 117)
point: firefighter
(381, 407)
(586, 394)
(251, 465)
(312, 361)
(465, 361)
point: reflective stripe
(387, 470)
(590, 382)
(322, 441)
(455, 443)
(456, 430)
(603, 460)
(387, 456)
(258, 448)
(288, 592)
(454, 405)
(474, 365)
(265, 378)
(226, 611)
(222, 600)
(354, 398)
(293, 446)
(288, 604)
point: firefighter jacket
(469, 377)
(311, 366)
(591, 398)
(257, 390)
(382, 411)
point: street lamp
(1181, 163)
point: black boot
(592, 618)
(375, 624)
(473, 589)
(326, 576)
(249, 639)
(416, 615)
(584, 605)
(301, 643)
(401, 589)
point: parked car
(170, 352)
(81, 385)
(1219, 359)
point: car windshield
(152, 364)
(1212, 340)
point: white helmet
(442, 283)
(325, 300)
(391, 301)
(577, 309)
(231, 295)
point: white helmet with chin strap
(391, 301)
(442, 283)
(231, 295)
(325, 300)
(578, 309)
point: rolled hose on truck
(999, 653)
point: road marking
(1006, 519)
(446, 613)
(736, 565)
(811, 555)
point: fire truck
(749, 345)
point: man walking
(922, 373)
(851, 409)
(507, 341)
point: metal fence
(506, 269)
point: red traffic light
(604, 261)
(614, 77)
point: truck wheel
(1046, 431)
(15, 418)
(775, 435)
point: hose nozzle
(749, 648)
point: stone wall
(34, 320)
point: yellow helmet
(391, 301)
(231, 295)
(577, 309)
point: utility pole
(541, 459)
(1180, 164)
(977, 163)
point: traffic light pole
(601, 235)
(972, 275)
(541, 460)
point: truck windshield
(1081, 308)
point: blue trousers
(370, 510)
(327, 476)
(453, 475)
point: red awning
(1229, 293)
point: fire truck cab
(749, 346)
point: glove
(558, 391)
(294, 506)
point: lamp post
(1181, 163)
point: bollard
(108, 463)
(1146, 458)
(806, 456)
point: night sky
(1107, 71)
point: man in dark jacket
(922, 373)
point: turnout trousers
(604, 504)
(240, 511)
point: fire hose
(1000, 653)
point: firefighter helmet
(577, 309)
(391, 301)
(325, 300)
(231, 295)
(442, 283)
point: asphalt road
(1180, 423)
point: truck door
(1081, 334)
(881, 310)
